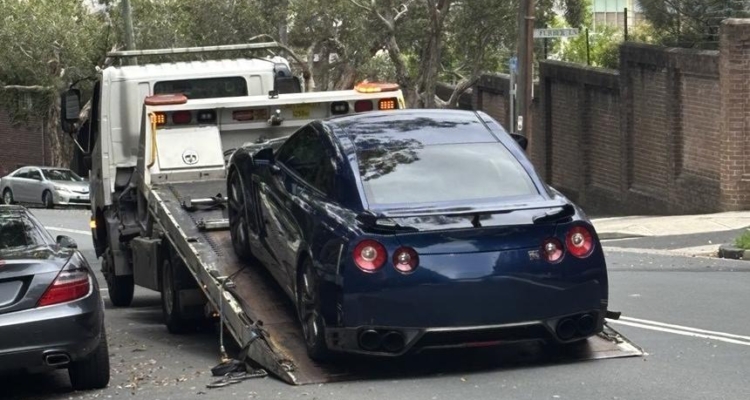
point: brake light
(387, 104)
(181, 117)
(370, 255)
(406, 260)
(363, 105)
(579, 241)
(68, 286)
(552, 250)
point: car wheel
(238, 226)
(120, 288)
(175, 277)
(308, 307)
(8, 197)
(93, 371)
(48, 200)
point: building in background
(612, 13)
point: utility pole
(525, 66)
(127, 13)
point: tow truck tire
(238, 227)
(120, 288)
(174, 278)
(93, 371)
(309, 311)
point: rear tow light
(370, 255)
(552, 250)
(579, 241)
(387, 104)
(68, 286)
(406, 260)
(182, 117)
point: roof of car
(428, 126)
(12, 209)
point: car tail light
(552, 250)
(182, 117)
(579, 241)
(387, 104)
(370, 255)
(406, 260)
(363, 105)
(67, 286)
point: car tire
(92, 372)
(120, 288)
(238, 226)
(48, 200)
(8, 197)
(309, 311)
(175, 277)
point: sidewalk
(655, 227)
(640, 226)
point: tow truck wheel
(308, 306)
(178, 317)
(120, 288)
(238, 218)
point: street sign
(555, 32)
(514, 64)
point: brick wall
(669, 132)
(20, 144)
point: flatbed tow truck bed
(262, 319)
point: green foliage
(690, 23)
(743, 241)
(604, 47)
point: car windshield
(61, 175)
(18, 233)
(395, 173)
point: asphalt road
(693, 295)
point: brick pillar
(734, 81)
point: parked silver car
(51, 311)
(44, 185)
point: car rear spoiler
(556, 210)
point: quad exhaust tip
(370, 340)
(57, 359)
(566, 329)
(586, 324)
(581, 325)
(393, 342)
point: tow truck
(158, 138)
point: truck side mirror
(70, 108)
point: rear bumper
(71, 329)
(396, 341)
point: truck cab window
(208, 88)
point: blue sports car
(406, 230)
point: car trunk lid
(26, 274)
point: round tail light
(579, 241)
(552, 250)
(406, 260)
(369, 255)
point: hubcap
(308, 312)
(6, 198)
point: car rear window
(18, 233)
(408, 172)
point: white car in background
(48, 186)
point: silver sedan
(44, 185)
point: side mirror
(66, 242)
(265, 154)
(521, 140)
(70, 108)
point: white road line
(66, 230)
(685, 328)
(681, 332)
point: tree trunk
(60, 147)
(429, 66)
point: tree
(690, 23)
(45, 46)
